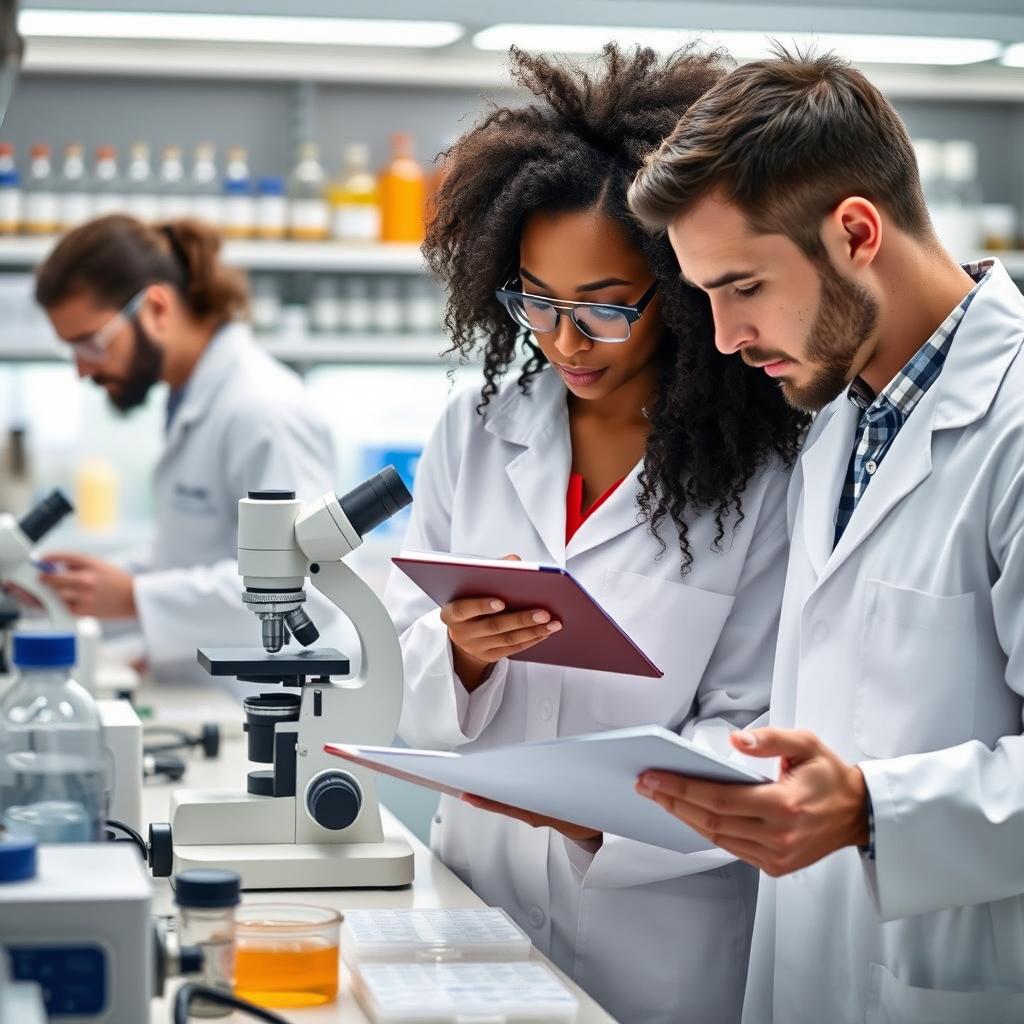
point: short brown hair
(113, 258)
(786, 139)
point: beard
(130, 391)
(847, 316)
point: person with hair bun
(625, 448)
(137, 305)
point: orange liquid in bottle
(402, 190)
(287, 974)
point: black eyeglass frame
(506, 294)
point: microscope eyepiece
(375, 501)
(39, 521)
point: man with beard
(138, 305)
(893, 834)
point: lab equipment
(206, 902)
(308, 213)
(143, 203)
(204, 192)
(52, 755)
(11, 204)
(20, 1001)
(306, 822)
(239, 209)
(173, 185)
(271, 209)
(588, 780)
(286, 955)
(589, 637)
(122, 740)
(354, 199)
(17, 540)
(41, 212)
(74, 204)
(482, 934)
(403, 194)
(443, 993)
(108, 189)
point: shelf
(338, 257)
(300, 351)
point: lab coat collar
(225, 350)
(539, 423)
(986, 342)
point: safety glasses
(599, 321)
(93, 348)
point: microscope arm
(26, 577)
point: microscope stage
(256, 662)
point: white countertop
(434, 884)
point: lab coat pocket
(677, 627)
(891, 1001)
(916, 687)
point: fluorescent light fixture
(862, 49)
(236, 28)
(1014, 56)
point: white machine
(308, 822)
(122, 737)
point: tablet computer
(589, 638)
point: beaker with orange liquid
(286, 955)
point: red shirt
(575, 514)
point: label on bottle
(75, 208)
(207, 208)
(108, 202)
(357, 222)
(308, 219)
(10, 211)
(239, 216)
(144, 207)
(271, 217)
(175, 207)
(41, 213)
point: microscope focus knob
(334, 800)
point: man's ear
(852, 234)
(156, 309)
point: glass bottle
(172, 186)
(52, 754)
(402, 194)
(41, 194)
(11, 209)
(108, 190)
(205, 200)
(142, 200)
(239, 214)
(74, 204)
(307, 199)
(271, 209)
(355, 199)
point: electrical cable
(193, 990)
(133, 836)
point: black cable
(193, 990)
(133, 836)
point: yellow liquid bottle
(288, 974)
(96, 495)
(402, 194)
(355, 199)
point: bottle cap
(207, 887)
(17, 859)
(271, 186)
(44, 650)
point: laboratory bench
(434, 885)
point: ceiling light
(1014, 56)
(231, 28)
(862, 49)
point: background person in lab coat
(138, 305)
(894, 832)
(656, 442)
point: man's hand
(90, 586)
(575, 832)
(819, 803)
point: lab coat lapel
(823, 467)
(539, 422)
(617, 515)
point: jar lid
(207, 887)
(43, 650)
(17, 860)
(271, 186)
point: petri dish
(286, 954)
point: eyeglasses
(599, 321)
(93, 348)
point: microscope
(305, 822)
(17, 566)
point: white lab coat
(245, 423)
(655, 936)
(903, 650)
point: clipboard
(589, 638)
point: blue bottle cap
(271, 186)
(44, 650)
(207, 887)
(17, 859)
(237, 187)
(10, 179)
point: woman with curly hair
(628, 450)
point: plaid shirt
(881, 418)
(883, 415)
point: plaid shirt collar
(908, 387)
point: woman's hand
(482, 632)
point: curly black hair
(715, 421)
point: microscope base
(384, 865)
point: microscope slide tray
(588, 780)
(254, 661)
